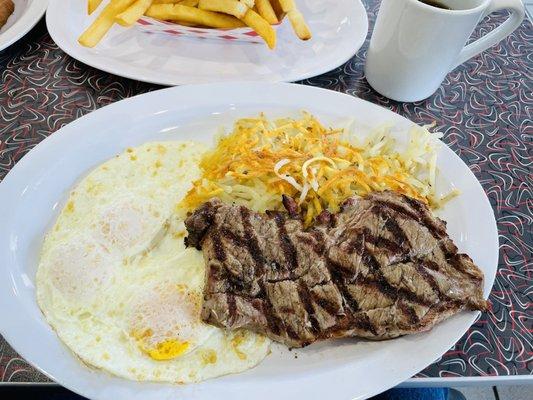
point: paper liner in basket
(152, 25)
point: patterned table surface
(484, 109)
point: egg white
(119, 287)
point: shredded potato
(319, 167)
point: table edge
(468, 381)
(410, 383)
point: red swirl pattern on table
(484, 109)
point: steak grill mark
(282, 301)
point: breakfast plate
(36, 189)
(27, 13)
(339, 29)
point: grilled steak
(380, 268)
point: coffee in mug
(437, 4)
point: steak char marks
(380, 268)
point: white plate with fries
(206, 40)
(27, 13)
(343, 369)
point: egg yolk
(168, 350)
(165, 350)
(237, 340)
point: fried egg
(119, 287)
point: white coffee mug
(414, 45)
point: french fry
(231, 7)
(93, 5)
(278, 10)
(190, 3)
(299, 25)
(133, 13)
(261, 26)
(264, 9)
(222, 14)
(296, 18)
(185, 23)
(248, 3)
(287, 5)
(177, 12)
(101, 25)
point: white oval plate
(27, 14)
(339, 29)
(33, 192)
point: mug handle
(516, 7)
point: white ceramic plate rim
(21, 331)
(54, 16)
(24, 24)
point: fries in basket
(258, 15)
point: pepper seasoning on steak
(380, 268)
